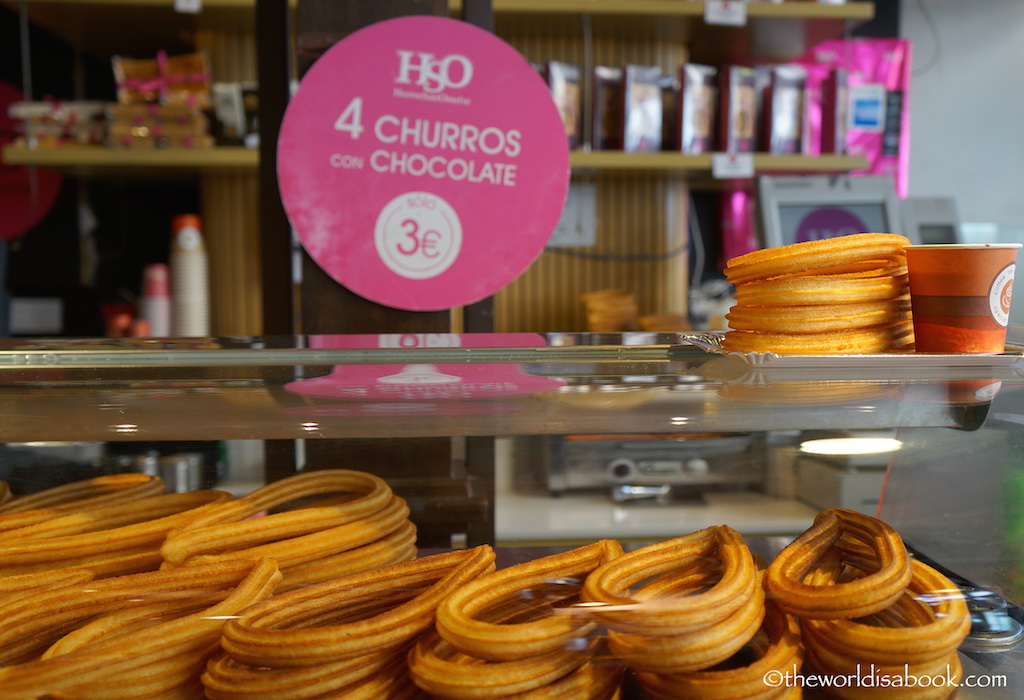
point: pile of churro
(312, 588)
(843, 295)
(862, 601)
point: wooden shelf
(135, 28)
(664, 160)
(92, 158)
(112, 26)
(855, 10)
(98, 157)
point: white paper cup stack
(190, 279)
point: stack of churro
(515, 632)
(344, 638)
(840, 295)
(357, 524)
(110, 531)
(329, 600)
(862, 602)
(139, 636)
(677, 610)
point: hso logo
(434, 75)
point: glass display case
(554, 440)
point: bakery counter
(450, 385)
(558, 440)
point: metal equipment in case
(654, 466)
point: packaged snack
(173, 80)
(782, 113)
(737, 110)
(53, 123)
(697, 105)
(564, 81)
(642, 108)
(834, 102)
(606, 129)
(152, 125)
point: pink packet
(878, 102)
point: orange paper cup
(960, 295)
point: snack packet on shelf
(877, 109)
(169, 80)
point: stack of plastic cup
(155, 305)
(190, 280)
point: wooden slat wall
(641, 217)
(230, 200)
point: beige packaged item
(173, 80)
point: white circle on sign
(418, 235)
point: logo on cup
(999, 295)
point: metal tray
(1009, 363)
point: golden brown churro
(776, 647)
(23, 585)
(394, 548)
(891, 337)
(826, 318)
(326, 638)
(87, 494)
(681, 605)
(444, 671)
(516, 633)
(917, 636)
(329, 601)
(847, 531)
(121, 653)
(876, 285)
(111, 541)
(458, 620)
(302, 538)
(844, 252)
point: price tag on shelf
(732, 166)
(729, 12)
(431, 177)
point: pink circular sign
(423, 163)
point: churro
(29, 625)
(111, 541)
(842, 252)
(300, 540)
(776, 647)
(682, 605)
(462, 617)
(894, 337)
(818, 290)
(838, 531)
(86, 494)
(325, 638)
